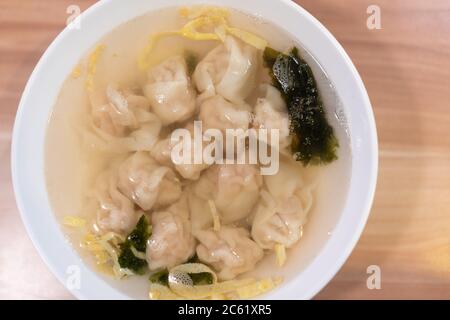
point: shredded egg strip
(215, 215)
(76, 72)
(92, 66)
(280, 252)
(198, 11)
(73, 221)
(258, 288)
(203, 17)
(138, 254)
(105, 250)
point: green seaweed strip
(137, 239)
(313, 140)
(160, 277)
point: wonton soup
(166, 228)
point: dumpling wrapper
(228, 70)
(115, 211)
(271, 113)
(162, 152)
(218, 113)
(229, 251)
(147, 183)
(234, 188)
(171, 242)
(170, 92)
(280, 216)
(121, 121)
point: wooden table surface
(406, 69)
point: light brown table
(406, 69)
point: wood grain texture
(406, 69)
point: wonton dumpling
(122, 121)
(117, 115)
(190, 171)
(147, 183)
(228, 70)
(171, 242)
(169, 90)
(230, 251)
(162, 153)
(116, 212)
(218, 113)
(271, 113)
(200, 212)
(234, 188)
(279, 218)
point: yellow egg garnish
(215, 215)
(201, 11)
(92, 66)
(207, 18)
(75, 222)
(248, 37)
(76, 72)
(280, 252)
(257, 288)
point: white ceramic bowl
(42, 89)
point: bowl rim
(37, 228)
